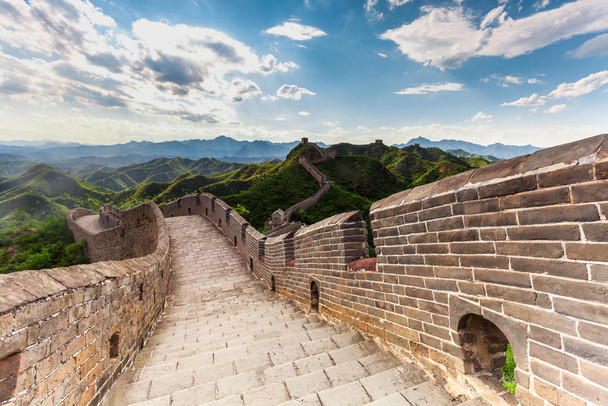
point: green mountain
(157, 170)
(44, 191)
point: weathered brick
(596, 232)
(593, 332)
(453, 272)
(439, 200)
(541, 317)
(491, 220)
(559, 214)
(511, 293)
(587, 251)
(550, 267)
(442, 260)
(510, 278)
(484, 261)
(422, 238)
(476, 207)
(545, 371)
(466, 195)
(566, 176)
(434, 213)
(583, 389)
(530, 249)
(584, 350)
(472, 248)
(584, 290)
(599, 273)
(552, 232)
(472, 288)
(554, 357)
(597, 313)
(545, 336)
(492, 234)
(508, 187)
(432, 249)
(543, 197)
(595, 373)
(458, 235)
(590, 192)
(451, 223)
(414, 228)
(555, 395)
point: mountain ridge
(497, 149)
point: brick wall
(66, 333)
(522, 243)
(515, 251)
(134, 236)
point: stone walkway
(225, 339)
(91, 223)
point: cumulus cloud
(581, 87)
(296, 31)
(534, 100)
(592, 47)
(433, 88)
(71, 52)
(482, 117)
(293, 92)
(446, 37)
(555, 109)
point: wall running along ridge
(66, 333)
(516, 251)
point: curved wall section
(522, 243)
(66, 333)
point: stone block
(554, 357)
(559, 214)
(536, 198)
(530, 249)
(567, 176)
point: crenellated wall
(66, 333)
(515, 252)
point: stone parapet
(66, 333)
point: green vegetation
(38, 245)
(508, 371)
(362, 174)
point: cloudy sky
(100, 71)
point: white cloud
(555, 109)
(270, 64)
(592, 47)
(534, 100)
(447, 37)
(396, 3)
(380, 54)
(293, 92)
(585, 85)
(541, 4)
(304, 113)
(433, 88)
(581, 87)
(370, 10)
(269, 98)
(331, 124)
(507, 80)
(296, 31)
(72, 53)
(482, 117)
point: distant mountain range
(222, 148)
(496, 150)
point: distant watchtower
(378, 141)
(305, 141)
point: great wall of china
(512, 252)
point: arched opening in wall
(273, 284)
(141, 291)
(206, 212)
(115, 345)
(314, 296)
(219, 222)
(9, 368)
(487, 352)
(251, 264)
(189, 211)
(235, 240)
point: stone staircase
(225, 339)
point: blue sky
(511, 71)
